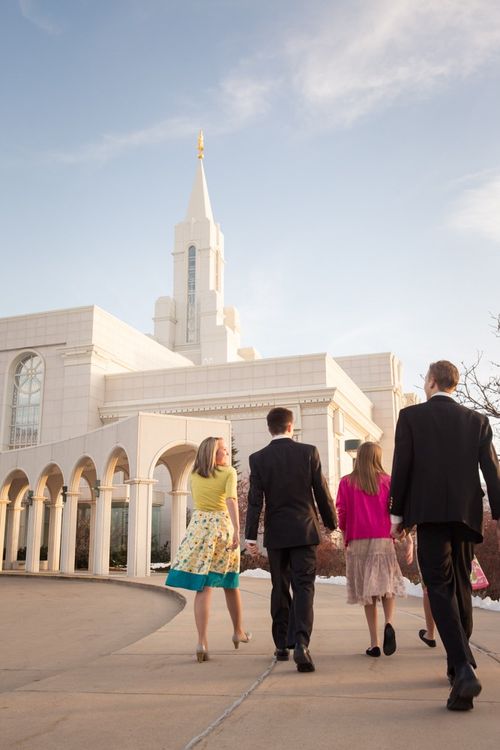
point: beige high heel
(201, 654)
(237, 640)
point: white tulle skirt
(372, 570)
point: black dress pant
(292, 616)
(445, 552)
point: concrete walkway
(152, 694)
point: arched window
(26, 402)
(191, 296)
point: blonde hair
(368, 468)
(205, 462)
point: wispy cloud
(478, 210)
(372, 54)
(239, 99)
(348, 62)
(35, 12)
(110, 146)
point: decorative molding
(216, 405)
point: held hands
(397, 531)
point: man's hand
(252, 549)
(397, 530)
(409, 549)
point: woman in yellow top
(209, 554)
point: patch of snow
(257, 573)
(487, 603)
(412, 589)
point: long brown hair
(368, 468)
(205, 462)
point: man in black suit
(288, 476)
(439, 446)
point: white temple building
(99, 423)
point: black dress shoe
(428, 641)
(281, 654)
(389, 645)
(302, 659)
(466, 686)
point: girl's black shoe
(374, 651)
(428, 641)
(389, 645)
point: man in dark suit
(439, 446)
(287, 475)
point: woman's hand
(236, 540)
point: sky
(351, 151)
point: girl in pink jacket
(372, 569)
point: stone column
(100, 562)
(3, 517)
(177, 520)
(34, 541)
(12, 542)
(68, 538)
(139, 527)
(55, 526)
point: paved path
(152, 694)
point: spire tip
(201, 146)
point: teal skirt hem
(196, 581)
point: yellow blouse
(210, 493)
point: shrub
(252, 563)
(161, 554)
(82, 541)
(487, 554)
(118, 558)
(330, 558)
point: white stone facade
(114, 408)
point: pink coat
(363, 516)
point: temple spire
(199, 204)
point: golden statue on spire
(201, 145)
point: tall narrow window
(191, 296)
(26, 402)
(217, 270)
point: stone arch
(117, 460)
(178, 458)
(50, 476)
(112, 511)
(44, 520)
(12, 515)
(79, 510)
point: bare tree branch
(476, 392)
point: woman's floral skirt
(204, 558)
(372, 570)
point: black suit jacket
(288, 476)
(439, 446)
